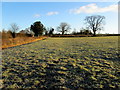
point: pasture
(71, 63)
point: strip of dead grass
(11, 42)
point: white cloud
(52, 13)
(37, 15)
(93, 8)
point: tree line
(93, 24)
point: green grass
(83, 62)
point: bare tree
(95, 23)
(14, 28)
(64, 27)
(51, 31)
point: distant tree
(9, 34)
(64, 27)
(14, 28)
(95, 23)
(38, 28)
(4, 33)
(74, 32)
(51, 31)
(27, 32)
(46, 32)
(85, 31)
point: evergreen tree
(38, 28)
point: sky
(59, 0)
(51, 14)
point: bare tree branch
(95, 23)
(64, 27)
(14, 28)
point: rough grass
(71, 63)
(11, 42)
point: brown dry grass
(11, 42)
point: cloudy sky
(51, 14)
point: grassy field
(71, 63)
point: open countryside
(71, 46)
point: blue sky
(51, 14)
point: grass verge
(11, 42)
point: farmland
(71, 63)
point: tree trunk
(63, 33)
(94, 33)
(13, 35)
